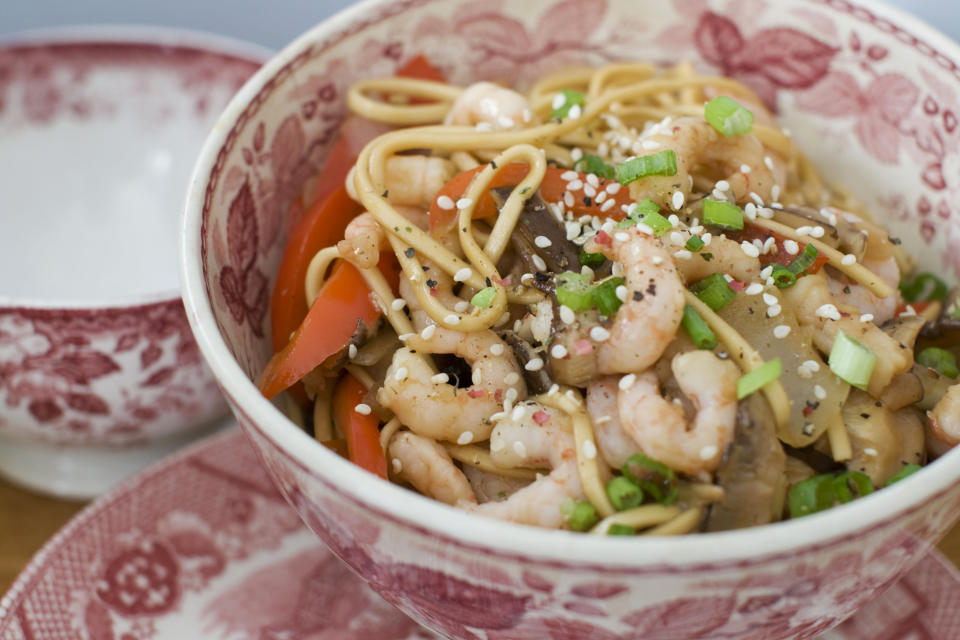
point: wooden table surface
(27, 520)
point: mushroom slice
(882, 441)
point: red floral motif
(768, 60)
(141, 581)
(557, 628)
(682, 617)
(244, 285)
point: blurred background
(274, 23)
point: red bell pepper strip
(362, 431)
(552, 189)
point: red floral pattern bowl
(871, 94)
(99, 373)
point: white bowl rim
(147, 36)
(562, 548)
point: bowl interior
(869, 94)
(99, 132)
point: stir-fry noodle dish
(619, 301)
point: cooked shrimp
(429, 468)
(492, 487)
(659, 425)
(415, 180)
(362, 241)
(727, 257)
(534, 436)
(857, 295)
(945, 417)
(490, 104)
(429, 405)
(612, 441)
(647, 321)
(702, 151)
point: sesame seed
(644, 228)
(428, 331)
(804, 372)
(539, 263)
(764, 212)
(910, 311)
(559, 100)
(749, 249)
(867, 317)
(791, 246)
(813, 365)
(593, 180)
(527, 114)
(649, 145)
(363, 409)
(558, 351)
(496, 349)
(756, 199)
(461, 306)
(497, 445)
(848, 259)
(589, 450)
(505, 122)
(586, 271)
(766, 272)
(352, 351)
(397, 465)
(677, 238)
(403, 337)
(657, 259)
(439, 378)
(463, 274)
(870, 451)
(576, 153)
(707, 239)
(601, 196)
(542, 242)
(520, 449)
(609, 204)
(627, 381)
(674, 220)
(535, 364)
(621, 293)
(452, 319)
(398, 304)
(464, 203)
(804, 230)
(708, 452)
(511, 393)
(744, 168)
(465, 438)
(445, 202)
(683, 254)
(575, 185)
(599, 334)
(526, 278)
(401, 374)
(621, 236)
(750, 210)
(769, 244)
(511, 378)
(770, 299)
(575, 112)
(722, 185)
(828, 311)
(817, 232)
(476, 376)
(566, 314)
(781, 331)
(612, 187)
(589, 191)
(819, 391)
(677, 200)
(767, 160)
(753, 289)
(569, 175)
(773, 311)
(775, 192)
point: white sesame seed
(804, 372)
(677, 200)
(428, 331)
(750, 210)
(569, 175)
(589, 450)
(781, 331)
(683, 254)
(464, 203)
(398, 304)
(463, 274)
(601, 196)
(848, 259)
(773, 311)
(644, 228)
(566, 314)
(744, 168)
(497, 445)
(476, 376)
(397, 465)
(589, 191)
(559, 100)
(813, 365)
(575, 112)
(775, 192)
(575, 185)
(910, 311)
(461, 306)
(677, 238)
(527, 114)
(627, 381)
(791, 246)
(576, 153)
(649, 145)
(363, 409)
(870, 451)
(593, 180)
(753, 289)
(621, 236)
(505, 122)
(520, 449)
(766, 272)
(445, 202)
(586, 271)
(768, 245)
(776, 205)
(539, 263)
(657, 259)
(804, 230)
(526, 278)
(707, 239)
(819, 391)
(403, 337)
(817, 232)
(534, 364)
(452, 319)
(352, 351)
(558, 351)
(708, 452)
(867, 317)
(511, 393)
(828, 311)
(511, 378)
(621, 293)
(599, 334)
(749, 249)
(612, 187)
(542, 242)
(602, 420)
(764, 212)
(465, 438)
(767, 160)
(496, 349)
(609, 204)
(756, 199)
(401, 374)
(439, 378)
(770, 299)
(722, 185)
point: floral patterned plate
(202, 545)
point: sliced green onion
(694, 243)
(722, 214)
(783, 277)
(482, 299)
(697, 329)
(662, 163)
(656, 479)
(657, 223)
(605, 296)
(758, 378)
(844, 484)
(624, 494)
(644, 207)
(851, 361)
(596, 166)
(617, 529)
(939, 359)
(910, 469)
(581, 515)
(828, 490)
(574, 291)
(570, 98)
(728, 116)
(591, 259)
(805, 260)
(714, 290)
(923, 286)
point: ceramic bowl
(870, 93)
(99, 373)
